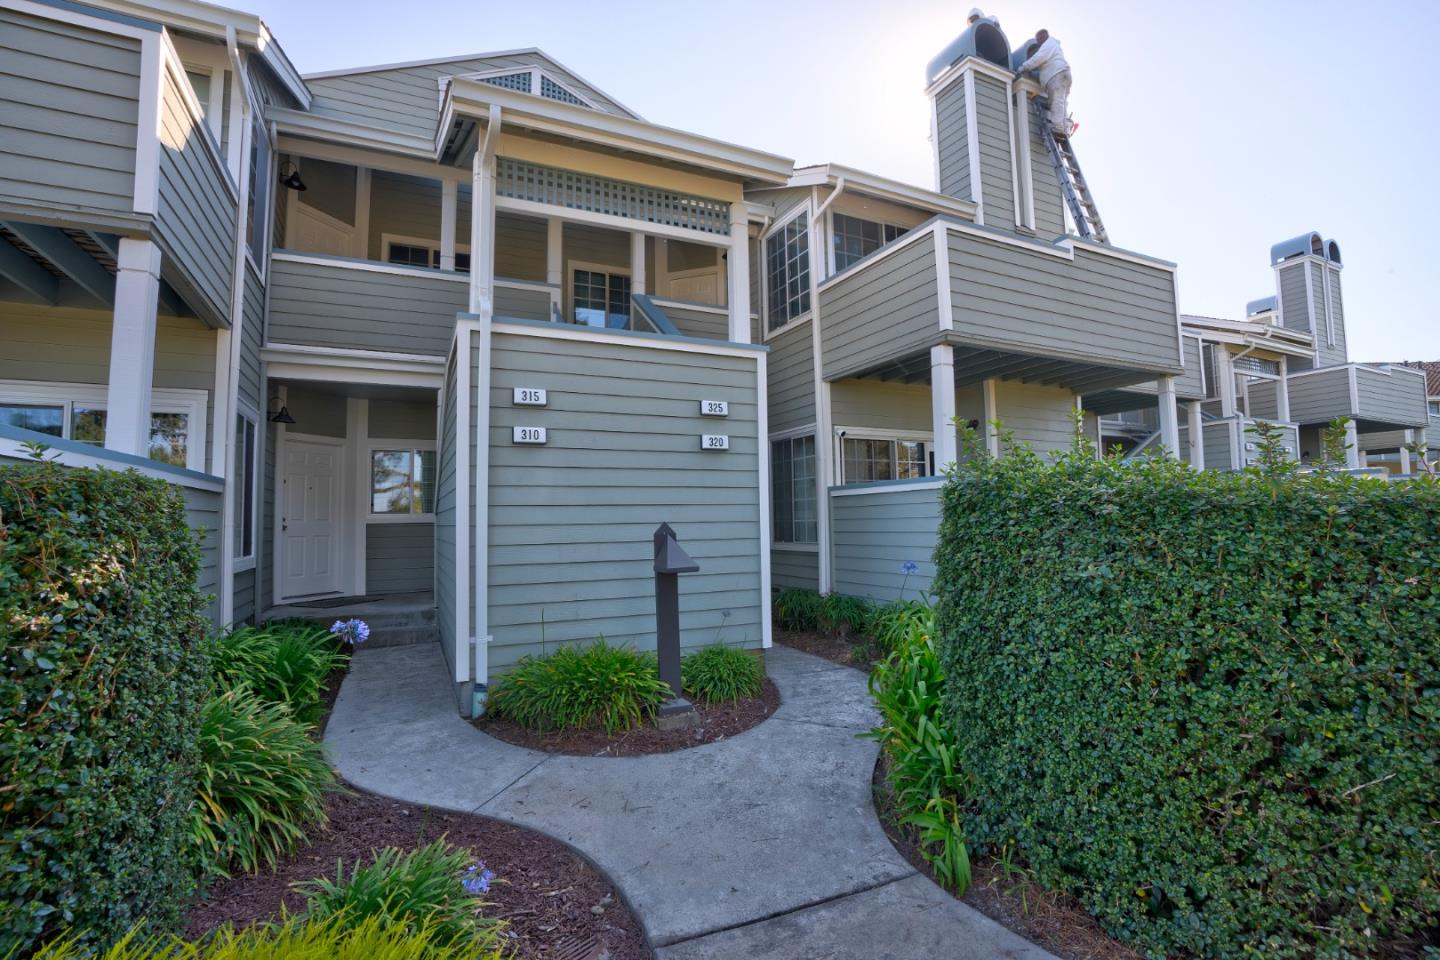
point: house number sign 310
(529, 435)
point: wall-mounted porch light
(282, 415)
(290, 176)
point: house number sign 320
(714, 441)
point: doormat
(336, 602)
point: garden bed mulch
(549, 896)
(844, 649)
(717, 722)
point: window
(402, 482)
(787, 272)
(792, 482)
(259, 189)
(602, 299)
(866, 459)
(854, 239)
(77, 412)
(1257, 365)
(243, 489)
(415, 252)
(1435, 408)
(410, 256)
(200, 83)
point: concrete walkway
(765, 845)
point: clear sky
(1208, 130)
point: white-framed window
(415, 252)
(77, 411)
(245, 487)
(866, 457)
(259, 194)
(402, 481)
(1435, 408)
(787, 272)
(792, 487)
(599, 296)
(852, 238)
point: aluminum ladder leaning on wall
(1072, 181)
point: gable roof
(1432, 374)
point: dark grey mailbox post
(670, 562)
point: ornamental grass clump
(262, 782)
(721, 674)
(287, 662)
(103, 669)
(797, 609)
(1204, 703)
(612, 688)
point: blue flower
(476, 879)
(352, 631)
(909, 567)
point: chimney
(1307, 288)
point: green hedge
(1208, 704)
(103, 676)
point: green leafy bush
(263, 780)
(721, 674)
(296, 939)
(899, 621)
(1205, 703)
(285, 663)
(614, 688)
(433, 889)
(840, 613)
(927, 785)
(103, 675)
(797, 609)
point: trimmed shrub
(614, 688)
(295, 939)
(433, 889)
(722, 674)
(285, 663)
(797, 609)
(104, 672)
(262, 782)
(1207, 704)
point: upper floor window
(413, 252)
(1435, 408)
(259, 194)
(200, 83)
(854, 238)
(787, 272)
(78, 412)
(602, 299)
(867, 459)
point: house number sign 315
(529, 397)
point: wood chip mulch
(549, 896)
(847, 650)
(717, 722)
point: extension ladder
(1072, 181)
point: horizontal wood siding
(522, 303)
(244, 611)
(882, 310)
(251, 337)
(570, 550)
(399, 557)
(1045, 184)
(1216, 438)
(953, 141)
(445, 561)
(875, 534)
(1038, 415)
(992, 114)
(878, 404)
(1264, 403)
(1321, 396)
(196, 216)
(202, 513)
(68, 114)
(1337, 353)
(1391, 397)
(791, 374)
(520, 244)
(691, 322)
(1092, 308)
(794, 568)
(338, 306)
(1388, 440)
(1294, 305)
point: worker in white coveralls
(977, 14)
(1049, 59)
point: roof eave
(882, 188)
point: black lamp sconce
(290, 176)
(282, 415)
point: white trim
(944, 297)
(282, 391)
(536, 73)
(972, 144)
(1020, 118)
(533, 208)
(967, 64)
(763, 494)
(887, 486)
(464, 442)
(372, 266)
(571, 331)
(775, 227)
(913, 235)
(943, 437)
(841, 433)
(991, 411)
(1310, 308)
(567, 287)
(1354, 389)
(1015, 203)
(480, 437)
(357, 484)
(875, 185)
(691, 304)
(242, 564)
(1329, 312)
(148, 125)
(371, 445)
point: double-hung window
(867, 459)
(259, 189)
(602, 299)
(77, 411)
(787, 272)
(402, 482)
(792, 482)
(243, 487)
(854, 239)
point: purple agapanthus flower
(909, 567)
(476, 879)
(352, 631)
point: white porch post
(1405, 451)
(1197, 435)
(361, 250)
(992, 414)
(738, 274)
(1169, 416)
(637, 263)
(1352, 445)
(482, 224)
(449, 206)
(554, 263)
(942, 405)
(1225, 382)
(132, 347)
(1282, 392)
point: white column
(1352, 445)
(1196, 428)
(1225, 382)
(637, 263)
(992, 413)
(132, 347)
(449, 205)
(1282, 393)
(1405, 451)
(942, 405)
(1169, 416)
(482, 236)
(738, 274)
(361, 250)
(554, 262)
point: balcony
(1072, 314)
(1377, 397)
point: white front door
(309, 552)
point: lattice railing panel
(512, 81)
(549, 88)
(579, 191)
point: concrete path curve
(765, 845)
